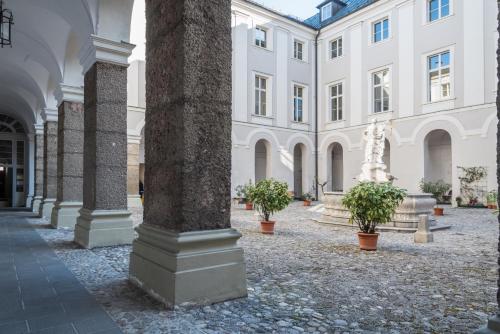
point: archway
(335, 155)
(387, 156)
(262, 160)
(438, 156)
(298, 170)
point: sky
(299, 8)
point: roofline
(327, 1)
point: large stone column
(134, 199)
(69, 165)
(49, 164)
(186, 250)
(104, 219)
(39, 148)
(493, 326)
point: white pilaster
(356, 89)
(282, 84)
(31, 170)
(406, 59)
(240, 66)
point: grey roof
(350, 7)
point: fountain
(406, 217)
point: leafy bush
(243, 191)
(372, 204)
(438, 189)
(492, 197)
(270, 196)
(307, 197)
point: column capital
(104, 50)
(133, 139)
(49, 115)
(38, 128)
(68, 93)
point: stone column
(30, 167)
(39, 148)
(186, 250)
(104, 219)
(49, 164)
(69, 165)
(134, 199)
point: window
(298, 49)
(438, 9)
(261, 37)
(439, 76)
(336, 48)
(336, 98)
(380, 91)
(326, 11)
(260, 95)
(298, 103)
(380, 30)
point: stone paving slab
(313, 278)
(39, 293)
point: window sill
(440, 20)
(335, 122)
(336, 58)
(262, 116)
(300, 123)
(261, 48)
(382, 42)
(439, 101)
(301, 61)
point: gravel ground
(313, 278)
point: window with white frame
(260, 95)
(380, 30)
(438, 9)
(298, 103)
(336, 102)
(326, 11)
(381, 91)
(261, 37)
(336, 48)
(298, 50)
(439, 76)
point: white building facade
(426, 67)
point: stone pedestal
(104, 219)
(493, 326)
(49, 169)
(186, 251)
(69, 165)
(406, 217)
(423, 234)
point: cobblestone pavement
(313, 278)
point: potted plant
(307, 198)
(459, 201)
(270, 196)
(438, 190)
(492, 199)
(246, 191)
(371, 204)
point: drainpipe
(316, 167)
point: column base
(493, 326)
(202, 267)
(101, 228)
(46, 208)
(134, 201)
(29, 201)
(35, 204)
(65, 214)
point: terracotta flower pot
(368, 241)
(438, 211)
(307, 202)
(492, 206)
(248, 206)
(267, 227)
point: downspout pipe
(316, 150)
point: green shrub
(438, 189)
(371, 204)
(270, 196)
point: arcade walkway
(38, 293)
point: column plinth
(187, 251)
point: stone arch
(300, 170)
(262, 158)
(335, 167)
(438, 157)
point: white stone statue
(373, 168)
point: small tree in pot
(269, 196)
(371, 204)
(438, 190)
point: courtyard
(312, 278)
